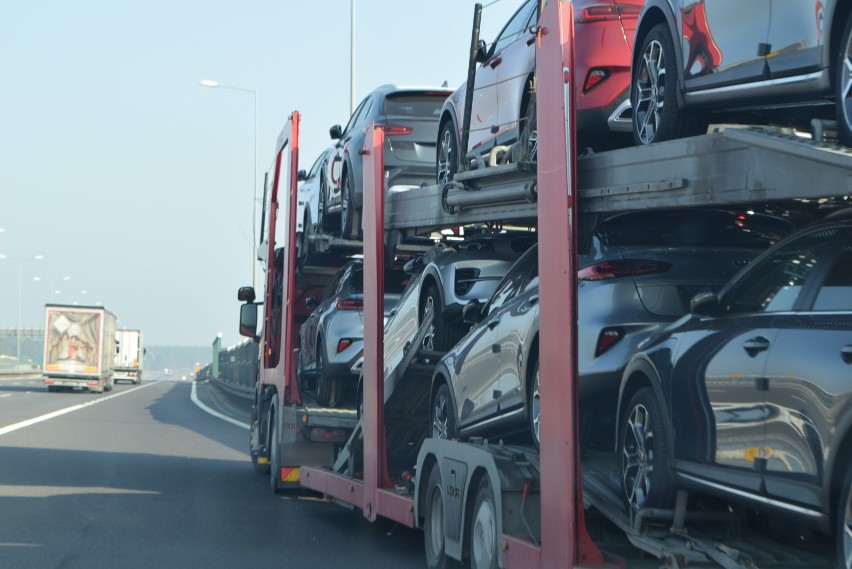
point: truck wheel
(254, 444)
(446, 159)
(434, 528)
(843, 84)
(443, 415)
(646, 481)
(274, 458)
(843, 532)
(484, 548)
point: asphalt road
(143, 477)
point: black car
(750, 396)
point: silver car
(307, 205)
(698, 55)
(332, 337)
(639, 273)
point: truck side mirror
(248, 320)
(481, 52)
(472, 312)
(302, 175)
(336, 132)
(311, 302)
(245, 294)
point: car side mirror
(302, 175)
(248, 320)
(245, 294)
(705, 303)
(414, 265)
(311, 302)
(472, 312)
(481, 52)
(336, 132)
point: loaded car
(409, 118)
(749, 396)
(503, 110)
(637, 274)
(695, 56)
(307, 203)
(332, 337)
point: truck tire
(274, 458)
(434, 525)
(254, 431)
(484, 541)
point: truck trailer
(79, 348)
(129, 355)
(496, 503)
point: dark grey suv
(409, 117)
(750, 396)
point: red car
(504, 94)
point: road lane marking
(5, 395)
(216, 414)
(60, 412)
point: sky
(134, 184)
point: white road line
(5, 395)
(59, 413)
(207, 409)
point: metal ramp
(406, 413)
(683, 538)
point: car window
(774, 284)
(835, 294)
(332, 286)
(356, 116)
(516, 28)
(315, 168)
(395, 281)
(515, 281)
(419, 105)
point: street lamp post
(254, 235)
(21, 262)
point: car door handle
(533, 300)
(756, 345)
(846, 354)
(495, 62)
(493, 323)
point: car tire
(447, 158)
(443, 414)
(529, 133)
(843, 84)
(535, 409)
(434, 528)
(322, 206)
(260, 468)
(323, 383)
(484, 541)
(644, 448)
(302, 241)
(347, 208)
(843, 527)
(653, 92)
(443, 335)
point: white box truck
(129, 353)
(79, 348)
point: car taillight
(350, 304)
(618, 269)
(396, 130)
(608, 338)
(343, 344)
(595, 78)
(603, 12)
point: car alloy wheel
(644, 462)
(535, 409)
(650, 87)
(843, 83)
(529, 134)
(443, 415)
(843, 533)
(447, 157)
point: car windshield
(705, 228)
(418, 105)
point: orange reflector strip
(289, 474)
